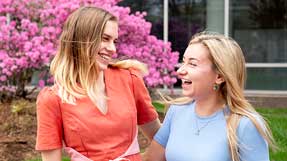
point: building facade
(259, 26)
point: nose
(181, 70)
(111, 47)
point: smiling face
(108, 44)
(197, 73)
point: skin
(149, 129)
(197, 68)
(104, 57)
(198, 77)
(108, 44)
(52, 155)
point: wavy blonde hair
(228, 60)
(74, 67)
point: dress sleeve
(145, 110)
(162, 134)
(49, 121)
(252, 146)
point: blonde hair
(74, 67)
(228, 60)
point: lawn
(63, 159)
(277, 119)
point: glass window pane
(267, 79)
(154, 11)
(260, 27)
(185, 19)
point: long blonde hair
(228, 60)
(74, 67)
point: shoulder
(247, 127)
(46, 92)
(130, 75)
(123, 77)
(125, 71)
(246, 122)
(135, 72)
(180, 108)
(48, 95)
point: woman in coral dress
(95, 106)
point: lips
(106, 57)
(186, 82)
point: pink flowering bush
(29, 35)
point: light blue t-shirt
(178, 135)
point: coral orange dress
(98, 136)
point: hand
(155, 152)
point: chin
(187, 94)
(103, 67)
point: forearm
(52, 155)
(149, 129)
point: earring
(216, 87)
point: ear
(219, 79)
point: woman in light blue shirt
(214, 122)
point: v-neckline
(105, 73)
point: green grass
(277, 119)
(159, 107)
(63, 159)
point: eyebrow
(109, 36)
(106, 35)
(189, 59)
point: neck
(101, 81)
(207, 106)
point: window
(259, 26)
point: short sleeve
(49, 121)
(162, 134)
(145, 110)
(252, 146)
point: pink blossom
(30, 40)
(3, 78)
(41, 83)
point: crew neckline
(212, 116)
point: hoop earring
(216, 87)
